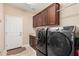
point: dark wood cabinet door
(53, 15)
(44, 17)
(35, 18)
(39, 20)
(32, 41)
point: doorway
(13, 31)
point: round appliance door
(41, 42)
(59, 44)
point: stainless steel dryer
(60, 42)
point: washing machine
(60, 41)
(41, 42)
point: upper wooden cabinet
(48, 16)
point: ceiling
(31, 7)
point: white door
(13, 32)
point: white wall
(1, 27)
(70, 15)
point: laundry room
(39, 29)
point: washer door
(59, 44)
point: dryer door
(59, 44)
